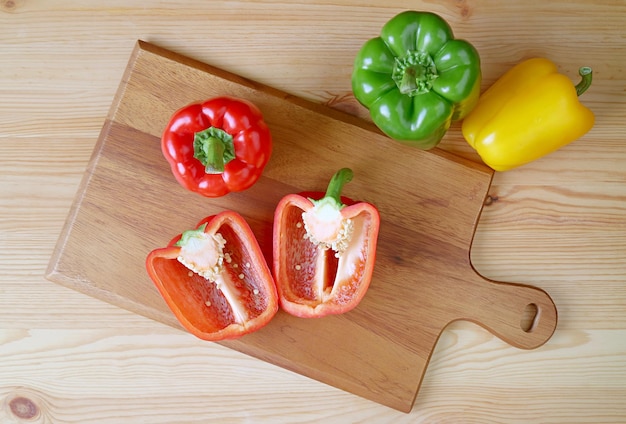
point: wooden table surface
(558, 223)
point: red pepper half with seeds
(215, 279)
(324, 251)
(218, 146)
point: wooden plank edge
(346, 385)
(144, 46)
(51, 272)
(52, 268)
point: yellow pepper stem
(585, 73)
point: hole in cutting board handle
(530, 318)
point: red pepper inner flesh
(331, 264)
(313, 271)
(191, 293)
(205, 304)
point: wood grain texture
(423, 279)
(558, 223)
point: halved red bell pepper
(324, 251)
(215, 279)
(217, 146)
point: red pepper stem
(585, 73)
(214, 148)
(341, 177)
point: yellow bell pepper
(531, 111)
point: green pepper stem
(414, 73)
(214, 148)
(408, 83)
(585, 73)
(341, 177)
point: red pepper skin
(298, 262)
(250, 146)
(198, 304)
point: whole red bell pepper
(324, 251)
(215, 279)
(217, 146)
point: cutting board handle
(521, 315)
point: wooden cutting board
(129, 203)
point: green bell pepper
(416, 79)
